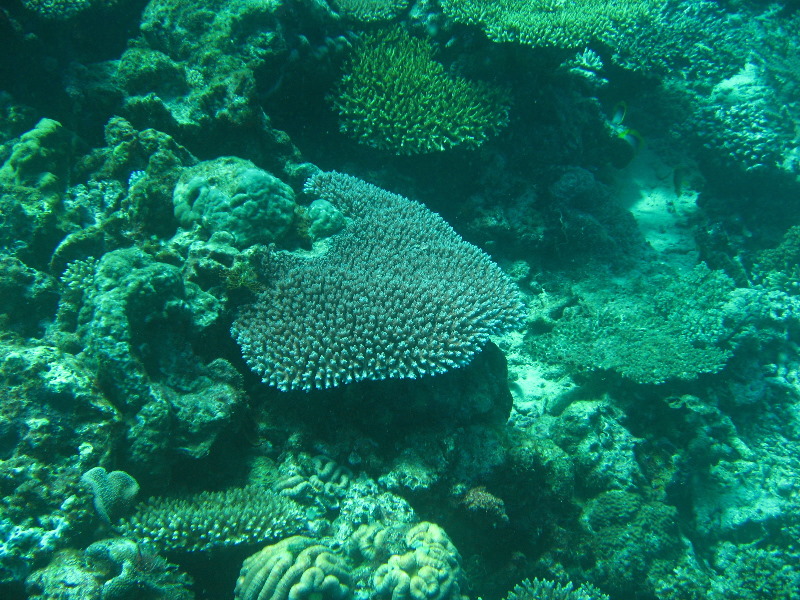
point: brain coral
(294, 569)
(429, 570)
(395, 97)
(560, 23)
(398, 294)
(231, 194)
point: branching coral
(539, 589)
(397, 295)
(370, 10)
(560, 23)
(213, 519)
(396, 97)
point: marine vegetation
(399, 300)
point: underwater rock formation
(111, 569)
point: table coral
(398, 294)
(560, 23)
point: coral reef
(551, 22)
(394, 96)
(396, 295)
(615, 406)
(213, 520)
(113, 492)
(232, 195)
(112, 569)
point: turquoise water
(394, 300)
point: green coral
(559, 23)
(113, 491)
(652, 329)
(294, 569)
(366, 11)
(213, 520)
(57, 9)
(540, 589)
(428, 570)
(396, 97)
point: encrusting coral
(398, 294)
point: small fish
(633, 138)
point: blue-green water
(395, 300)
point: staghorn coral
(398, 294)
(213, 519)
(540, 589)
(396, 97)
(429, 570)
(559, 23)
(294, 569)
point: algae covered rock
(40, 157)
(137, 321)
(233, 195)
(32, 183)
(111, 569)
